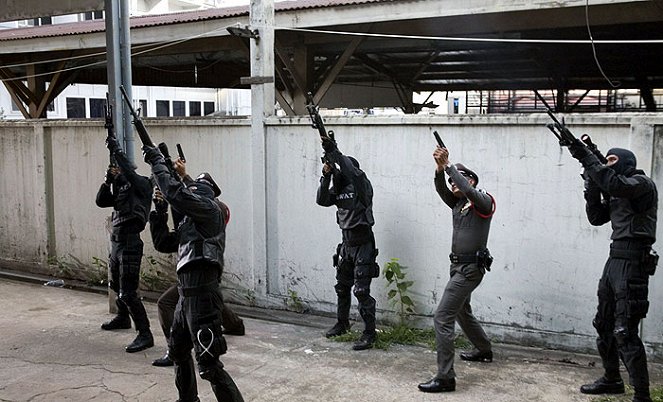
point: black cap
(467, 172)
(206, 178)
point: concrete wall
(542, 289)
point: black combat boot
(366, 341)
(603, 386)
(340, 328)
(121, 320)
(438, 385)
(164, 361)
(642, 395)
(118, 322)
(477, 356)
(143, 341)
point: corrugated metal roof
(85, 27)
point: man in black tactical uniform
(130, 195)
(352, 194)
(197, 323)
(629, 202)
(232, 323)
(472, 211)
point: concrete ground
(52, 349)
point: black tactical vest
(131, 204)
(634, 218)
(194, 246)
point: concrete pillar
(261, 18)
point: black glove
(152, 155)
(328, 144)
(160, 205)
(579, 150)
(109, 178)
(112, 144)
(326, 173)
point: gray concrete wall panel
(548, 258)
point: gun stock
(439, 140)
(565, 137)
(180, 153)
(108, 125)
(138, 123)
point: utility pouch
(484, 259)
(336, 258)
(649, 262)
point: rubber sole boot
(603, 386)
(118, 322)
(143, 341)
(339, 328)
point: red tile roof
(84, 27)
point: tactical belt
(462, 258)
(629, 249)
(120, 237)
(198, 290)
(627, 254)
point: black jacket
(130, 196)
(351, 192)
(633, 203)
(200, 235)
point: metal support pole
(114, 79)
(113, 65)
(125, 56)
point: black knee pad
(341, 290)
(362, 291)
(621, 335)
(211, 371)
(128, 297)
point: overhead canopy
(431, 45)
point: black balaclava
(626, 162)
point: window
(41, 21)
(209, 108)
(163, 108)
(97, 107)
(178, 108)
(93, 15)
(75, 108)
(194, 108)
(15, 106)
(143, 107)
